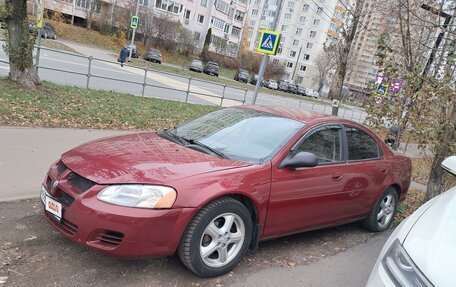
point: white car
(422, 249)
(312, 93)
(272, 85)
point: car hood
(431, 242)
(141, 158)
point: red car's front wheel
(217, 238)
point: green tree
(207, 42)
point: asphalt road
(162, 85)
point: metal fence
(190, 89)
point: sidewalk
(27, 153)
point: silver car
(153, 55)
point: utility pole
(74, 10)
(296, 65)
(134, 32)
(264, 62)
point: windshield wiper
(173, 137)
(212, 150)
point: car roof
(295, 114)
(212, 63)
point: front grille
(80, 182)
(65, 198)
(68, 226)
(110, 238)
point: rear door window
(361, 146)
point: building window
(284, 27)
(200, 18)
(217, 23)
(254, 12)
(257, 2)
(275, 61)
(300, 79)
(309, 45)
(226, 29)
(252, 23)
(319, 10)
(236, 31)
(287, 16)
(250, 33)
(302, 68)
(239, 16)
(333, 26)
(187, 14)
(316, 22)
(279, 50)
(298, 31)
(302, 19)
(313, 34)
(197, 36)
(222, 6)
(289, 64)
(305, 7)
(295, 42)
(204, 3)
(306, 56)
(291, 5)
(292, 54)
(169, 6)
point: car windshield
(241, 134)
(197, 63)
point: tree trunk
(344, 52)
(19, 46)
(442, 150)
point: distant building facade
(306, 26)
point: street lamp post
(264, 62)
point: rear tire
(216, 238)
(383, 213)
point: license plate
(54, 207)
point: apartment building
(225, 17)
(305, 26)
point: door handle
(336, 177)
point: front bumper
(116, 230)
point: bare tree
(19, 45)
(325, 63)
(425, 106)
(343, 51)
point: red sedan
(214, 187)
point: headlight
(401, 268)
(142, 196)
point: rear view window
(360, 145)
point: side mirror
(449, 164)
(297, 159)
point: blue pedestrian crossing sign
(134, 22)
(269, 42)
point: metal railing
(209, 93)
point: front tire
(217, 238)
(383, 213)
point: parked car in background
(422, 249)
(283, 86)
(312, 93)
(212, 68)
(203, 189)
(153, 55)
(47, 31)
(242, 76)
(134, 52)
(301, 90)
(272, 84)
(292, 88)
(196, 66)
(254, 79)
